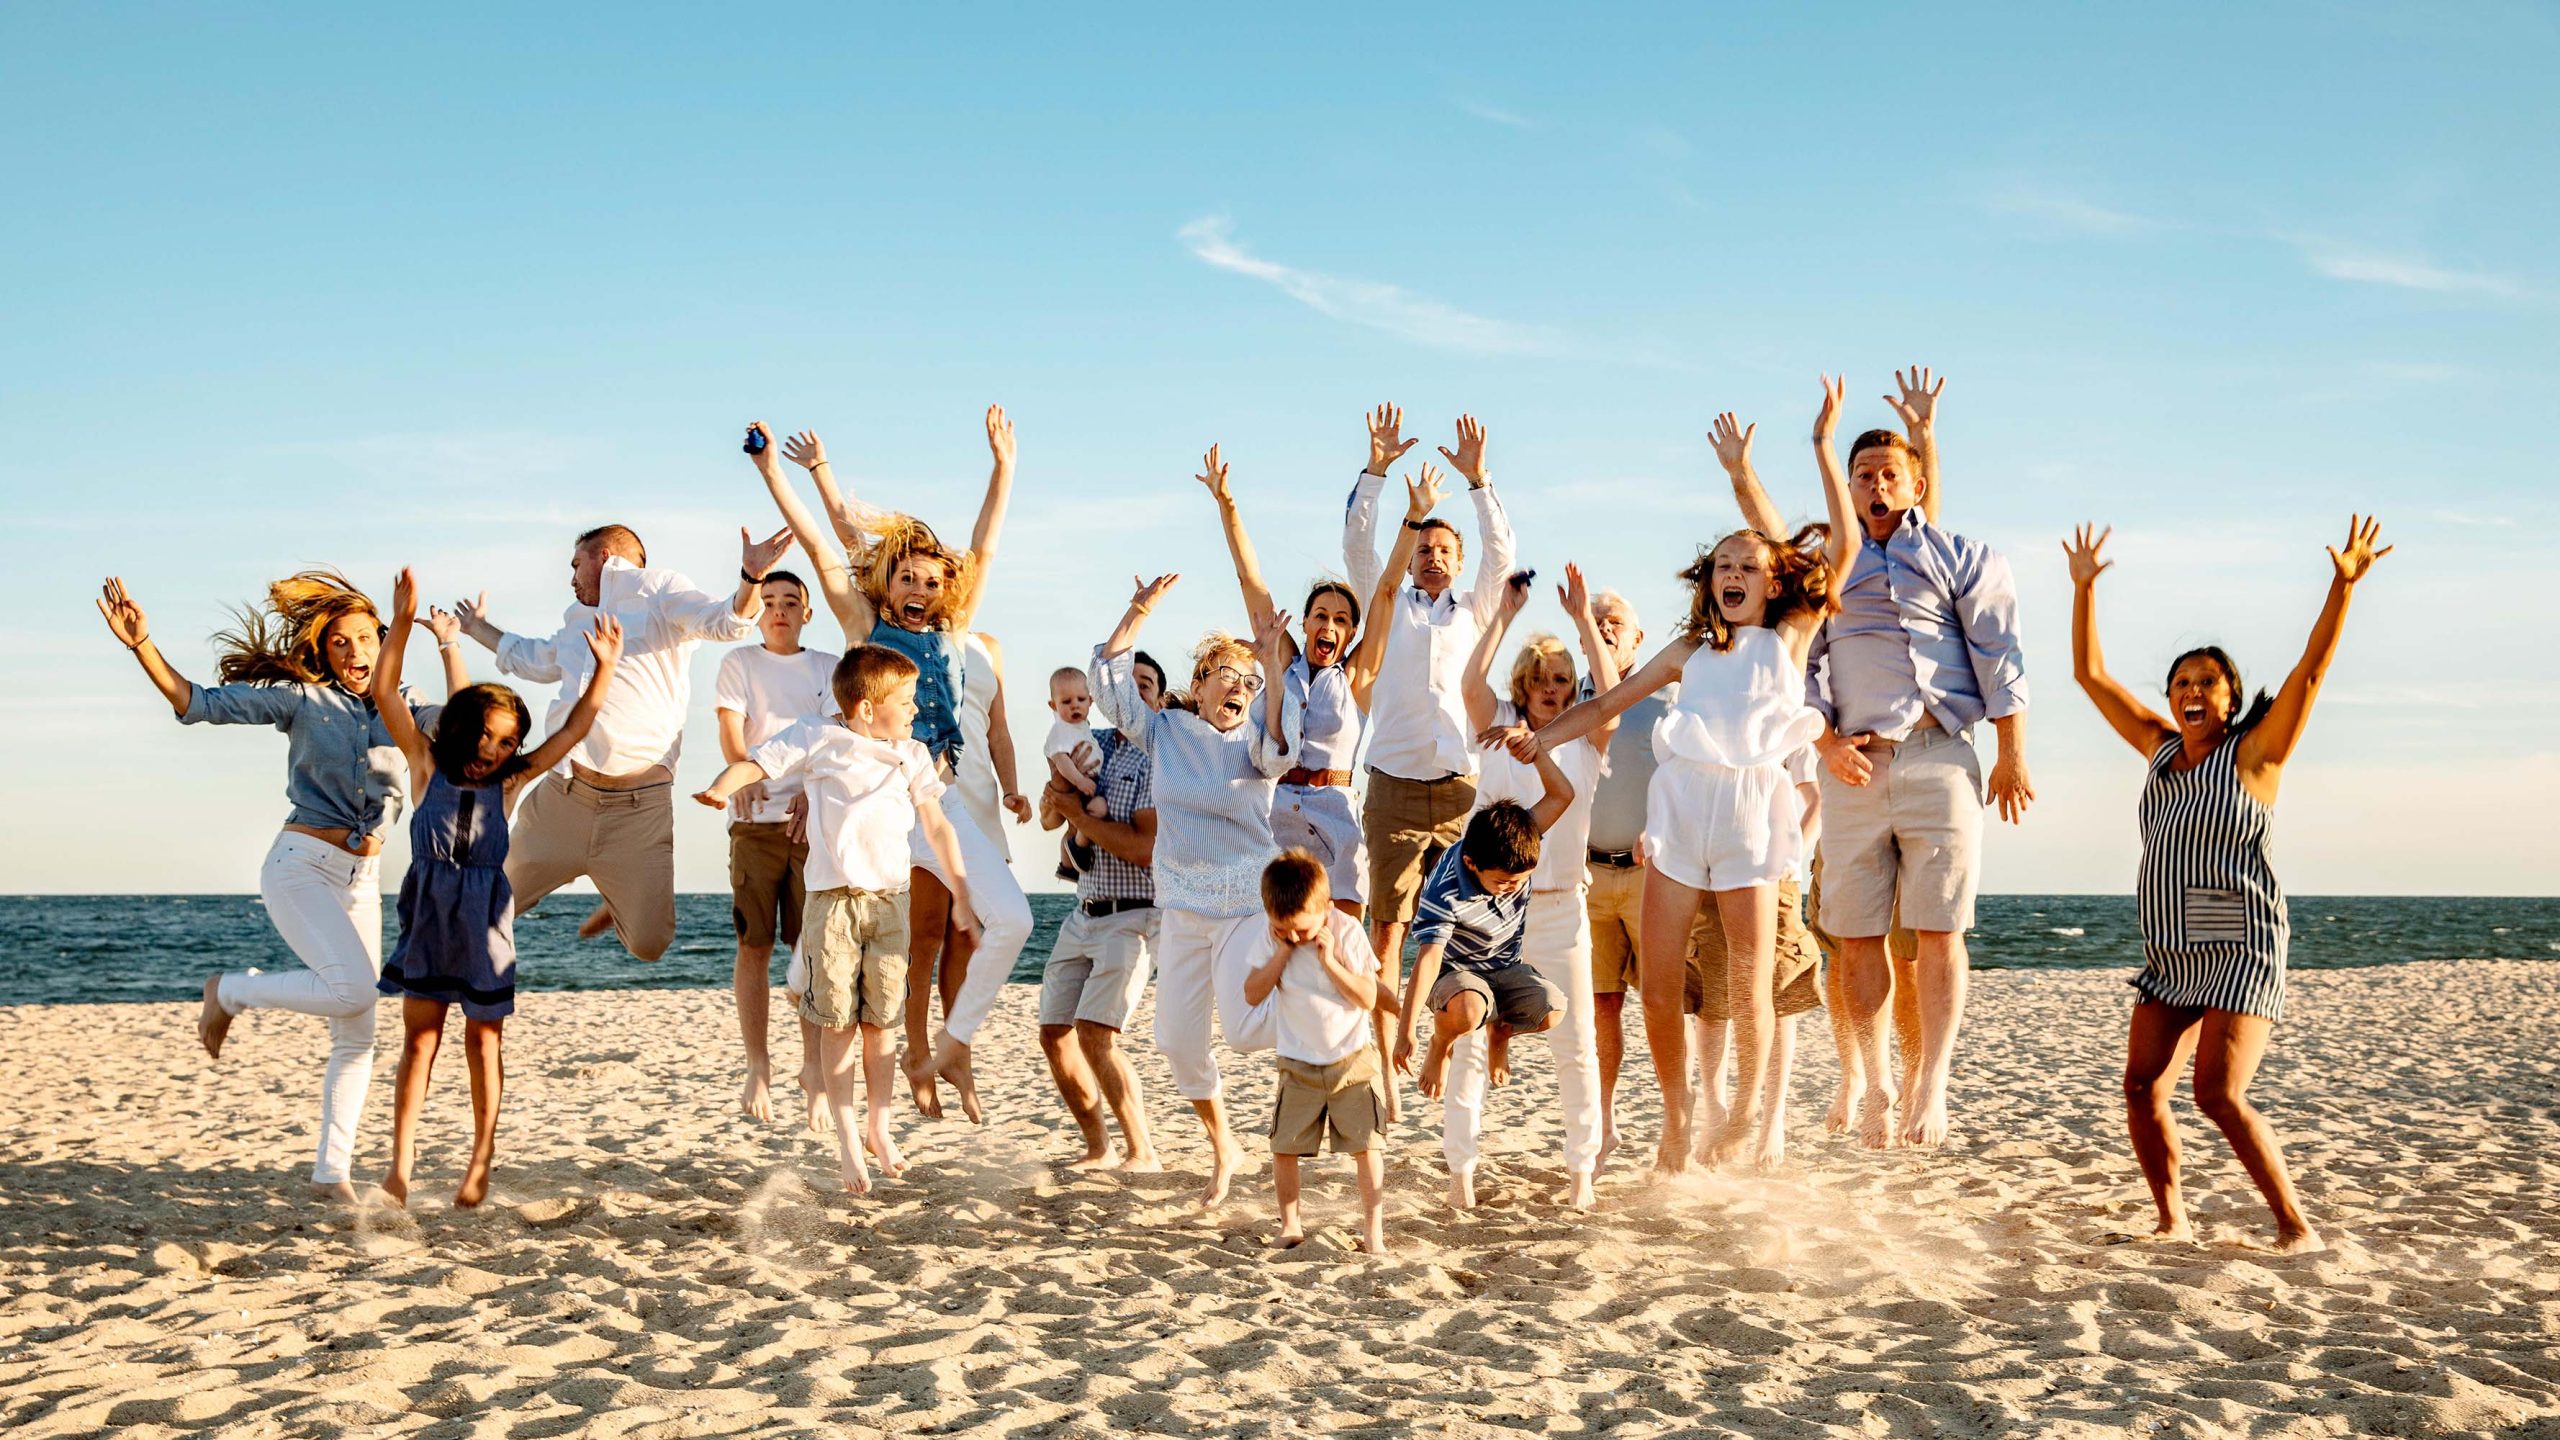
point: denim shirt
(939, 682)
(1928, 624)
(342, 770)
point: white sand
(653, 1265)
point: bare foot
(394, 1188)
(875, 1138)
(1844, 1104)
(475, 1183)
(1875, 1121)
(1608, 1143)
(1222, 1173)
(212, 1022)
(965, 1080)
(1497, 1054)
(1671, 1159)
(1924, 1123)
(598, 921)
(822, 1117)
(757, 1099)
(2299, 1242)
(1374, 1238)
(2177, 1229)
(928, 1097)
(1771, 1152)
(1435, 1066)
(338, 1190)
(1462, 1190)
(1097, 1154)
(1289, 1239)
(857, 1181)
(1579, 1195)
(1144, 1162)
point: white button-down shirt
(1417, 717)
(663, 619)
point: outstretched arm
(835, 575)
(132, 630)
(1498, 547)
(1586, 718)
(990, 526)
(1360, 667)
(1257, 595)
(2267, 746)
(1575, 595)
(1732, 441)
(1917, 404)
(1558, 793)
(1387, 445)
(2140, 726)
(387, 700)
(447, 628)
(1476, 686)
(605, 641)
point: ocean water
(67, 949)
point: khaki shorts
(1902, 943)
(1799, 988)
(1347, 1098)
(1407, 824)
(856, 946)
(765, 898)
(623, 840)
(1910, 837)
(1615, 904)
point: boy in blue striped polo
(1468, 922)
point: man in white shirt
(762, 691)
(1421, 749)
(607, 813)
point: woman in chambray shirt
(302, 665)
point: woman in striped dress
(2213, 918)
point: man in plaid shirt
(1097, 967)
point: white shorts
(1711, 827)
(1321, 820)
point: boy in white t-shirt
(763, 690)
(870, 786)
(1321, 982)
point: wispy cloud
(2402, 272)
(2066, 211)
(1491, 114)
(1375, 304)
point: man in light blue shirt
(1923, 647)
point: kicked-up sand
(652, 1264)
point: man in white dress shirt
(1421, 749)
(608, 812)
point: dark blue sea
(61, 949)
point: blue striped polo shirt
(1480, 929)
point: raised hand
(1271, 641)
(1386, 438)
(1514, 598)
(1575, 593)
(1917, 402)
(404, 599)
(1422, 496)
(605, 641)
(444, 625)
(1468, 458)
(1835, 392)
(1213, 473)
(124, 617)
(1732, 440)
(1151, 591)
(474, 611)
(762, 456)
(756, 557)
(1000, 437)
(805, 449)
(2083, 547)
(2359, 555)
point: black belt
(1100, 908)
(1616, 859)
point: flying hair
(1804, 583)
(286, 640)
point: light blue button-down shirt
(342, 771)
(1928, 624)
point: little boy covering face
(1321, 981)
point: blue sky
(297, 285)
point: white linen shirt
(770, 693)
(663, 619)
(863, 797)
(1566, 846)
(1417, 715)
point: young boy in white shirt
(763, 690)
(870, 787)
(1321, 981)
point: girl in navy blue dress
(457, 914)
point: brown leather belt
(1318, 778)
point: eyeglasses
(1251, 684)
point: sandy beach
(652, 1264)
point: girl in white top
(1557, 940)
(1721, 815)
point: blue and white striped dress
(2213, 919)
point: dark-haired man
(607, 813)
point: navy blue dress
(457, 912)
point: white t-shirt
(1562, 852)
(863, 797)
(1067, 738)
(771, 693)
(1311, 1022)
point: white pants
(1201, 962)
(1557, 944)
(327, 904)
(1004, 919)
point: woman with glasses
(1214, 756)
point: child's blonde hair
(899, 539)
(287, 639)
(1531, 659)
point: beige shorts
(1346, 1098)
(855, 942)
(1901, 943)
(1706, 993)
(1912, 835)
(1407, 823)
(765, 898)
(1615, 903)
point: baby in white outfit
(1073, 757)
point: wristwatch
(750, 579)
(1417, 524)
